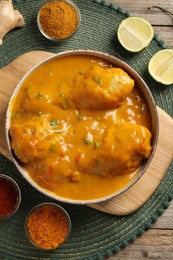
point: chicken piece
(101, 88)
(40, 144)
(121, 151)
(9, 18)
(35, 139)
(25, 137)
(50, 170)
(33, 100)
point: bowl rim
(154, 117)
(18, 201)
(76, 8)
(38, 206)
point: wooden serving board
(139, 193)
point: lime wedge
(135, 33)
(160, 66)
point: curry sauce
(80, 127)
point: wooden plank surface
(157, 242)
(161, 22)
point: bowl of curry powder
(48, 226)
(58, 19)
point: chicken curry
(80, 127)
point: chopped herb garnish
(39, 96)
(39, 113)
(96, 145)
(56, 129)
(66, 101)
(81, 73)
(79, 116)
(98, 80)
(97, 162)
(52, 148)
(87, 141)
(54, 122)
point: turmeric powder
(48, 226)
(58, 19)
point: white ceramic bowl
(138, 81)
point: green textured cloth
(94, 234)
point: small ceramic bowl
(70, 3)
(11, 188)
(42, 217)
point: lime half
(160, 66)
(135, 33)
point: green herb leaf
(52, 148)
(66, 101)
(79, 116)
(96, 145)
(98, 80)
(81, 73)
(39, 113)
(87, 141)
(54, 122)
(39, 96)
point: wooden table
(157, 242)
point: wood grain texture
(138, 194)
(161, 22)
(154, 244)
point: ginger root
(9, 18)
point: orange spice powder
(58, 19)
(48, 227)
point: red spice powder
(8, 197)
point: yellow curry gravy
(60, 141)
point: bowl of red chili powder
(58, 19)
(10, 197)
